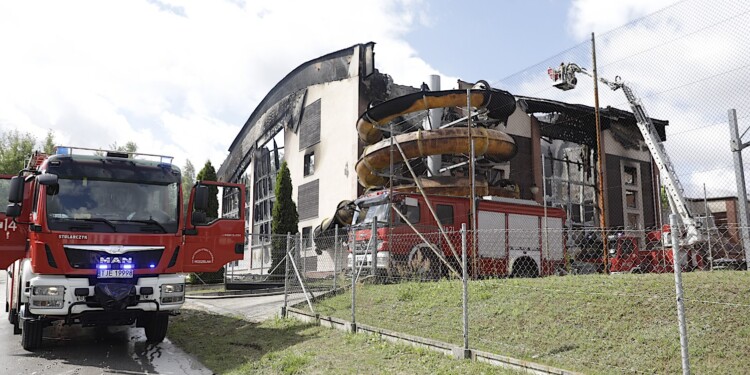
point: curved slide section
(492, 144)
(500, 104)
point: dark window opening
(309, 167)
(445, 214)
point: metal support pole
(286, 272)
(673, 223)
(352, 246)
(739, 176)
(708, 230)
(335, 253)
(374, 247)
(302, 254)
(465, 281)
(545, 252)
(472, 173)
(600, 156)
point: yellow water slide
(493, 144)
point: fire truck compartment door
(524, 239)
(217, 241)
(491, 234)
(12, 234)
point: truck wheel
(13, 317)
(156, 328)
(425, 265)
(31, 335)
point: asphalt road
(84, 351)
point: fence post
(286, 272)
(465, 281)
(678, 290)
(739, 176)
(302, 246)
(374, 249)
(335, 254)
(352, 247)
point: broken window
(630, 176)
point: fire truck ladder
(566, 74)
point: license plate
(110, 274)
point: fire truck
(99, 238)
(511, 237)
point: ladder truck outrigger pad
(99, 238)
(564, 79)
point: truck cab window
(4, 190)
(444, 213)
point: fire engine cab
(100, 238)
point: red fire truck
(509, 234)
(99, 238)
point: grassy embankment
(592, 323)
(233, 346)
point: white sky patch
(586, 16)
(177, 77)
(688, 65)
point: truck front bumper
(62, 297)
(383, 260)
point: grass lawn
(588, 323)
(283, 346)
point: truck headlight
(47, 296)
(48, 290)
(172, 293)
(173, 288)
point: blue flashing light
(63, 151)
(102, 266)
(151, 265)
(127, 266)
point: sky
(181, 78)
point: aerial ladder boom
(564, 77)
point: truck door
(12, 235)
(211, 242)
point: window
(631, 199)
(309, 167)
(307, 237)
(411, 212)
(630, 175)
(445, 213)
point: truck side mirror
(47, 179)
(13, 210)
(200, 201)
(198, 218)
(15, 193)
(50, 181)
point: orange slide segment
(493, 144)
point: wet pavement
(84, 351)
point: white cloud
(586, 16)
(177, 77)
(688, 64)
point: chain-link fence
(542, 295)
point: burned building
(308, 120)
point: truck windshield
(113, 206)
(367, 214)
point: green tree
(188, 179)
(208, 173)
(15, 149)
(49, 143)
(285, 218)
(130, 146)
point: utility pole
(739, 176)
(600, 156)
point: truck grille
(88, 259)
